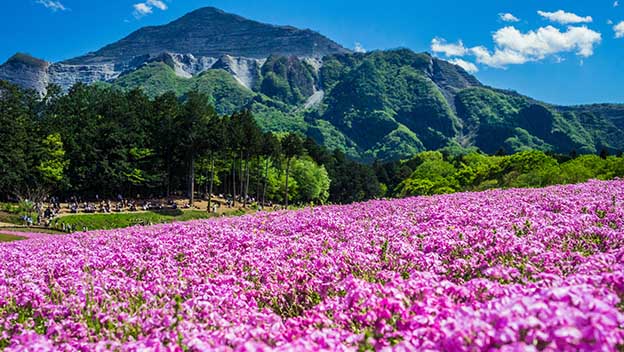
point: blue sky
(559, 51)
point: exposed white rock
(314, 99)
(245, 70)
(187, 65)
(68, 75)
(315, 62)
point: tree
(312, 179)
(292, 145)
(194, 128)
(165, 133)
(20, 141)
(271, 148)
(53, 162)
(252, 137)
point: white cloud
(157, 4)
(548, 40)
(508, 17)
(439, 45)
(466, 65)
(52, 5)
(145, 8)
(609, 22)
(141, 9)
(513, 47)
(616, 3)
(359, 48)
(565, 17)
(619, 30)
(500, 58)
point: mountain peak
(26, 59)
(211, 32)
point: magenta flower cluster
(515, 270)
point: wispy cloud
(466, 65)
(508, 17)
(359, 48)
(141, 9)
(619, 30)
(616, 3)
(145, 8)
(439, 45)
(52, 5)
(157, 4)
(565, 17)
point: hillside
(383, 105)
(392, 104)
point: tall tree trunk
(241, 175)
(258, 175)
(206, 181)
(246, 180)
(192, 180)
(234, 182)
(212, 170)
(168, 178)
(266, 179)
(287, 175)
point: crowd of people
(47, 213)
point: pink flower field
(516, 270)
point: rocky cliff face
(204, 39)
(26, 71)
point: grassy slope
(157, 78)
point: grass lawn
(115, 221)
(10, 238)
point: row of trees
(439, 172)
(102, 141)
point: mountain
(210, 32)
(194, 43)
(379, 105)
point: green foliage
(157, 78)
(436, 173)
(313, 181)
(287, 79)
(20, 144)
(500, 119)
(389, 105)
(99, 140)
(114, 221)
(432, 176)
(53, 163)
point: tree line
(449, 171)
(103, 141)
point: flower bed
(535, 269)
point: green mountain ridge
(390, 105)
